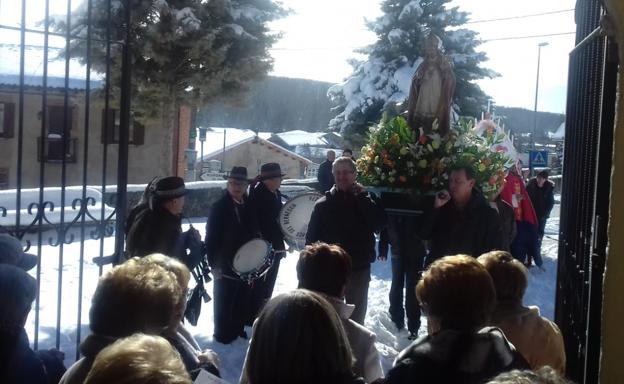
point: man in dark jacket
(461, 221)
(265, 201)
(230, 225)
(18, 362)
(324, 175)
(348, 216)
(407, 259)
(541, 193)
(155, 224)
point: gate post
(613, 309)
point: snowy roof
(299, 137)
(314, 152)
(10, 58)
(235, 137)
(559, 133)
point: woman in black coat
(230, 225)
(265, 201)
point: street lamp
(539, 51)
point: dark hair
(324, 268)
(543, 174)
(17, 292)
(347, 150)
(298, 338)
(470, 173)
(457, 291)
(508, 274)
(133, 297)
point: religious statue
(432, 89)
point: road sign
(538, 159)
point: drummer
(265, 201)
(230, 225)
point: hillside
(280, 104)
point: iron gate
(585, 195)
(48, 142)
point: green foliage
(183, 51)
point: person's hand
(441, 199)
(209, 356)
(217, 273)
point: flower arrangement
(398, 157)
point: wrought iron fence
(49, 116)
(585, 195)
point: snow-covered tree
(183, 51)
(383, 80)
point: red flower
(403, 179)
(422, 139)
(427, 180)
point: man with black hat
(265, 201)
(230, 225)
(11, 252)
(155, 224)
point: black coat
(450, 357)
(18, 362)
(508, 221)
(349, 221)
(228, 228)
(325, 176)
(475, 230)
(543, 199)
(266, 207)
(155, 231)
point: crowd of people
(315, 333)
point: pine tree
(383, 80)
(183, 51)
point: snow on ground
(390, 341)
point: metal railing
(66, 244)
(585, 192)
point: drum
(295, 216)
(253, 260)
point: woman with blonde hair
(193, 357)
(138, 359)
(132, 297)
(457, 295)
(299, 338)
(538, 339)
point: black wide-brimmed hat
(11, 252)
(238, 173)
(270, 171)
(169, 187)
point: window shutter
(138, 134)
(9, 120)
(108, 133)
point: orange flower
(487, 162)
(492, 180)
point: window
(4, 178)
(110, 128)
(58, 145)
(7, 119)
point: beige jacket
(538, 339)
(367, 361)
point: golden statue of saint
(432, 89)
